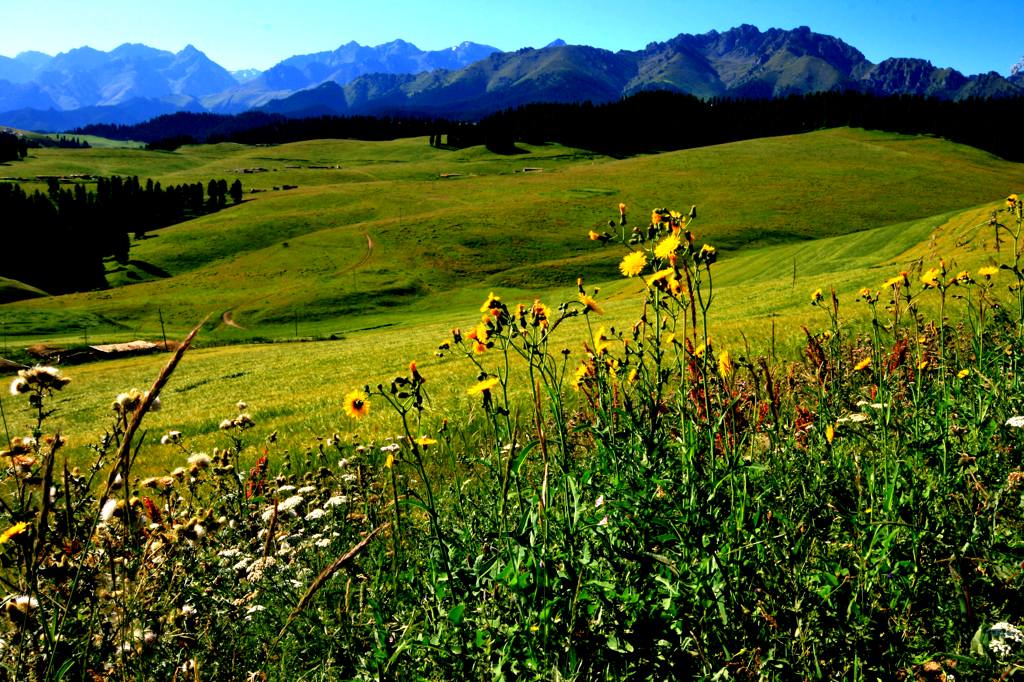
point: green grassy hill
(386, 246)
(378, 228)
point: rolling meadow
(749, 411)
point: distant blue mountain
(85, 85)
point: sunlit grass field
(839, 208)
(793, 457)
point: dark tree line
(661, 121)
(57, 240)
(643, 122)
(174, 130)
(12, 147)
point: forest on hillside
(644, 122)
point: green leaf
(455, 615)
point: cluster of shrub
(78, 228)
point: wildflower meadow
(634, 502)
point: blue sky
(970, 35)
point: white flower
(267, 514)
(170, 437)
(200, 460)
(315, 514)
(108, 510)
(255, 608)
(324, 542)
(242, 565)
(306, 489)
(242, 406)
(19, 386)
(349, 478)
(393, 447)
(188, 610)
(291, 503)
(226, 425)
(285, 489)
(603, 522)
(1015, 422)
(1004, 638)
(599, 502)
(336, 501)
(229, 553)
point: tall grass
(667, 508)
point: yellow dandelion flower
(963, 374)
(594, 236)
(830, 433)
(591, 305)
(390, 461)
(633, 263)
(479, 348)
(667, 246)
(490, 302)
(631, 377)
(425, 441)
(622, 209)
(930, 278)
(725, 364)
(601, 341)
(13, 531)
(357, 404)
(898, 280)
(581, 373)
(988, 272)
(817, 297)
(863, 364)
(655, 218)
(482, 386)
(922, 365)
(659, 276)
(1012, 200)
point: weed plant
(662, 508)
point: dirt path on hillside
(227, 319)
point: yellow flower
(633, 263)
(13, 531)
(898, 280)
(817, 297)
(581, 373)
(357, 404)
(963, 374)
(725, 364)
(594, 236)
(930, 278)
(601, 341)
(489, 303)
(988, 272)
(660, 275)
(425, 441)
(667, 246)
(709, 254)
(622, 209)
(591, 304)
(1012, 200)
(922, 365)
(390, 461)
(830, 433)
(655, 217)
(631, 377)
(863, 364)
(482, 386)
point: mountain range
(134, 82)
